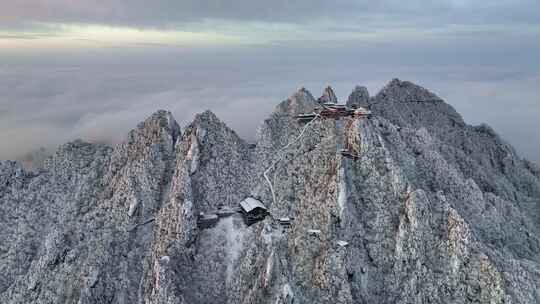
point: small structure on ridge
(253, 210)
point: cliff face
(432, 211)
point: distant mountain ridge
(433, 211)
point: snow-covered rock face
(328, 96)
(433, 211)
(359, 97)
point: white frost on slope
(342, 191)
(193, 154)
(234, 233)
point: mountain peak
(205, 117)
(162, 118)
(359, 97)
(301, 101)
(328, 96)
(406, 91)
(208, 121)
(407, 104)
(302, 94)
(159, 121)
(208, 126)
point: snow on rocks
(433, 209)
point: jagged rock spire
(214, 151)
(160, 121)
(303, 95)
(328, 96)
(300, 102)
(359, 97)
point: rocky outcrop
(328, 96)
(80, 235)
(406, 92)
(359, 97)
(213, 170)
(433, 211)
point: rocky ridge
(433, 211)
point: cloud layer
(94, 69)
(167, 12)
(101, 98)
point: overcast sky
(93, 69)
